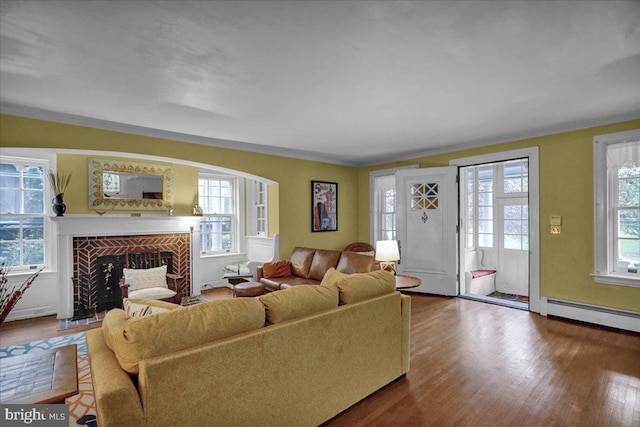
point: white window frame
(604, 271)
(374, 213)
(257, 200)
(236, 223)
(48, 243)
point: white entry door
(426, 215)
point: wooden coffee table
(47, 376)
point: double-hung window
(384, 217)
(383, 203)
(256, 208)
(22, 212)
(217, 196)
(617, 208)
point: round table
(407, 282)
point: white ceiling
(353, 82)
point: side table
(235, 278)
(407, 282)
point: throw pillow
(134, 309)
(276, 269)
(141, 278)
(299, 301)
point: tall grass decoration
(11, 294)
(59, 181)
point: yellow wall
(292, 175)
(566, 188)
(185, 193)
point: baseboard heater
(627, 320)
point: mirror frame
(96, 194)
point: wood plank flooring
(477, 364)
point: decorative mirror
(116, 184)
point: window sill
(221, 255)
(18, 274)
(611, 279)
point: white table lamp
(387, 253)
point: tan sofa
(307, 266)
(295, 357)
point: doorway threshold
(497, 301)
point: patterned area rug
(82, 410)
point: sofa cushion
(298, 302)
(152, 293)
(275, 283)
(331, 277)
(358, 287)
(140, 338)
(276, 269)
(301, 259)
(352, 262)
(323, 260)
(141, 278)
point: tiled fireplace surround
(84, 238)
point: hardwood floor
(478, 364)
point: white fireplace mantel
(111, 225)
(76, 225)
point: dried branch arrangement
(11, 294)
(59, 181)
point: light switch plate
(555, 220)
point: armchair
(148, 275)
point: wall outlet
(556, 229)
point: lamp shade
(387, 250)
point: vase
(58, 205)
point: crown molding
(55, 116)
(72, 119)
(534, 133)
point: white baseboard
(620, 319)
(29, 313)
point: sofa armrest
(405, 304)
(116, 397)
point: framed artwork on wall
(324, 206)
